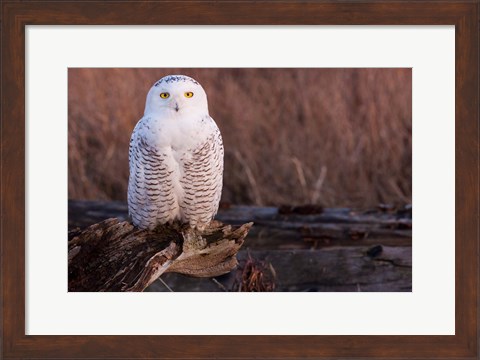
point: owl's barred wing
(202, 181)
(150, 188)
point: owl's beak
(176, 106)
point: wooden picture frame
(463, 14)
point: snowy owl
(176, 157)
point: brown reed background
(335, 137)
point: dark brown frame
(16, 15)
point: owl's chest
(177, 134)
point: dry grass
(254, 276)
(337, 137)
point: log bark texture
(113, 255)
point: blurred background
(333, 137)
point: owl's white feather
(176, 158)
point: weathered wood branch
(309, 247)
(336, 268)
(113, 255)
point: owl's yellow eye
(188, 94)
(164, 95)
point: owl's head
(177, 94)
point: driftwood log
(113, 255)
(304, 248)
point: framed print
(72, 69)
